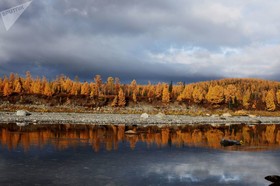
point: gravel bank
(129, 119)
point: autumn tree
(134, 97)
(151, 93)
(36, 86)
(121, 98)
(27, 82)
(215, 94)
(230, 95)
(98, 83)
(188, 92)
(180, 97)
(198, 94)
(278, 96)
(133, 86)
(117, 84)
(246, 99)
(165, 95)
(110, 85)
(115, 102)
(76, 89)
(47, 90)
(7, 89)
(92, 90)
(85, 89)
(159, 89)
(270, 100)
(67, 85)
(18, 86)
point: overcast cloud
(183, 40)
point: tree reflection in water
(255, 137)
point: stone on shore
(23, 113)
(226, 115)
(160, 115)
(22, 124)
(252, 116)
(144, 115)
(214, 115)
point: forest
(231, 93)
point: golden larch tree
(165, 95)
(117, 85)
(134, 96)
(133, 86)
(270, 100)
(98, 84)
(121, 98)
(246, 99)
(151, 93)
(27, 82)
(85, 89)
(198, 94)
(278, 96)
(92, 90)
(188, 92)
(159, 90)
(67, 85)
(7, 89)
(36, 86)
(47, 90)
(76, 89)
(110, 86)
(180, 97)
(18, 86)
(229, 93)
(215, 94)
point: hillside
(233, 94)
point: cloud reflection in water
(225, 168)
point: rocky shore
(129, 119)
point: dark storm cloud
(155, 40)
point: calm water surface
(105, 155)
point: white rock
(21, 124)
(226, 115)
(252, 116)
(23, 113)
(160, 115)
(215, 115)
(144, 115)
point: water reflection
(218, 169)
(151, 155)
(255, 137)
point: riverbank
(130, 119)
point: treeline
(232, 93)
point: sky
(157, 40)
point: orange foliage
(233, 93)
